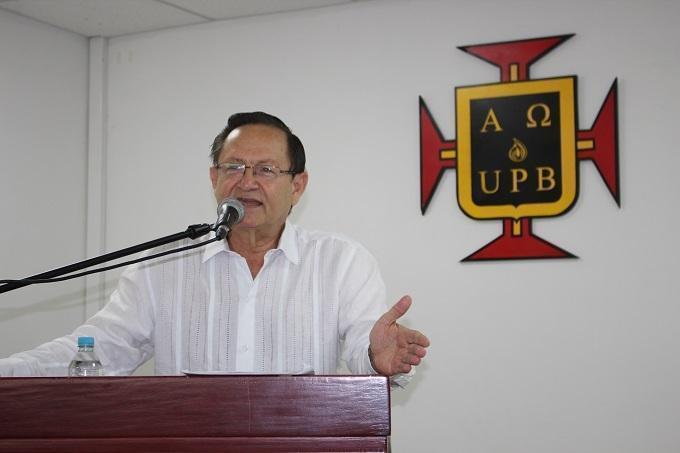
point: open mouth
(250, 202)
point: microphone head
(230, 211)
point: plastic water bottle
(85, 363)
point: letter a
(491, 119)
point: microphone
(230, 211)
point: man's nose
(247, 179)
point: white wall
(43, 108)
(560, 356)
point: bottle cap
(84, 342)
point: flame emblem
(518, 151)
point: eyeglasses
(261, 171)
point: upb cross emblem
(517, 148)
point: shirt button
(244, 348)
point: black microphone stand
(192, 232)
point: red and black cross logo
(517, 148)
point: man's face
(267, 202)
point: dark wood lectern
(207, 414)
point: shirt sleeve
(122, 331)
(362, 302)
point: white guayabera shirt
(312, 305)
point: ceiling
(110, 18)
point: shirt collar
(288, 244)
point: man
(272, 297)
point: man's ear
(213, 177)
(299, 185)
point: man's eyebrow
(236, 160)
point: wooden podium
(207, 414)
